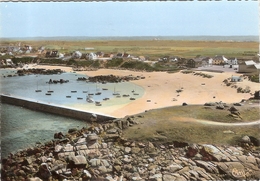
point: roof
(257, 66)
(250, 62)
(220, 57)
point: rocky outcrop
(113, 78)
(101, 153)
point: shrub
(115, 62)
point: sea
(22, 128)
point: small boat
(125, 95)
(98, 93)
(79, 98)
(73, 91)
(48, 94)
(105, 99)
(37, 90)
(68, 96)
(85, 91)
(50, 91)
(118, 96)
(115, 93)
(89, 99)
(98, 104)
(90, 94)
(104, 89)
(132, 98)
(136, 94)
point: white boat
(115, 93)
(89, 99)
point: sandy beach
(160, 90)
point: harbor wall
(56, 109)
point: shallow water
(21, 128)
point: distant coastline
(251, 38)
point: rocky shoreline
(100, 152)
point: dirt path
(228, 124)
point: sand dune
(160, 90)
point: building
(92, 56)
(249, 67)
(194, 62)
(232, 61)
(219, 60)
(236, 79)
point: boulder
(246, 139)
(210, 104)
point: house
(100, 54)
(76, 54)
(194, 62)
(27, 47)
(173, 59)
(249, 67)
(232, 61)
(142, 58)
(50, 54)
(9, 62)
(123, 55)
(92, 56)
(219, 60)
(126, 55)
(236, 79)
(206, 61)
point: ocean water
(21, 128)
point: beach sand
(160, 90)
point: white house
(92, 56)
(232, 61)
(77, 54)
(9, 62)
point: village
(215, 63)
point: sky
(171, 18)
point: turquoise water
(21, 127)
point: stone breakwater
(101, 153)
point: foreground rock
(101, 153)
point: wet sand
(160, 90)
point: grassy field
(179, 124)
(153, 48)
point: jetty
(55, 109)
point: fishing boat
(97, 92)
(85, 91)
(105, 99)
(37, 90)
(50, 91)
(48, 94)
(68, 96)
(89, 99)
(79, 98)
(73, 91)
(104, 89)
(115, 93)
(125, 95)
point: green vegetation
(137, 65)
(24, 60)
(254, 78)
(115, 62)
